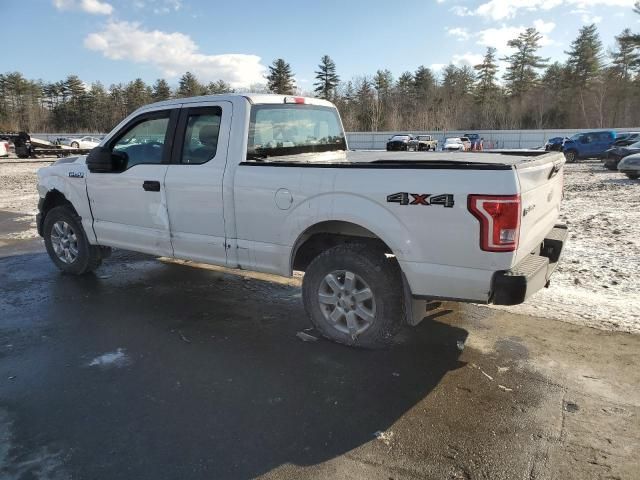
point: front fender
(69, 179)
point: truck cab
(588, 145)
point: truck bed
(446, 160)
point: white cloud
(461, 34)
(436, 67)
(468, 58)
(498, 37)
(95, 7)
(505, 9)
(588, 18)
(173, 54)
(461, 11)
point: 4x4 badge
(406, 198)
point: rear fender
(350, 208)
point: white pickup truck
(266, 183)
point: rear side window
(201, 136)
(278, 130)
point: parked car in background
(453, 144)
(399, 142)
(615, 154)
(474, 139)
(588, 145)
(630, 166)
(4, 148)
(466, 142)
(626, 138)
(554, 144)
(82, 142)
(423, 142)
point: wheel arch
(56, 189)
(326, 234)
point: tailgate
(541, 182)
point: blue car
(554, 144)
(588, 145)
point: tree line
(593, 88)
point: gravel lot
(596, 283)
(160, 370)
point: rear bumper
(514, 286)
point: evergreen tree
(404, 85)
(189, 86)
(585, 57)
(280, 78)
(382, 82)
(219, 87)
(424, 83)
(486, 85)
(327, 79)
(625, 59)
(161, 90)
(522, 73)
(136, 95)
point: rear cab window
(282, 130)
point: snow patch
(117, 359)
(596, 282)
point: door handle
(151, 186)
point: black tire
(75, 145)
(88, 257)
(633, 176)
(571, 156)
(380, 274)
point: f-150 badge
(76, 174)
(405, 198)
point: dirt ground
(162, 370)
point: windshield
(453, 140)
(575, 137)
(635, 145)
(278, 130)
(400, 138)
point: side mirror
(103, 160)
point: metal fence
(492, 138)
(378, 140)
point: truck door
(129, 204)
(194, 182)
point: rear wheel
(353, 295)
(67, 243)
(75, 145)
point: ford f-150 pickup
(267, 183)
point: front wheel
(571, 156)
(67, 243)
(75, 145)
(352, 294)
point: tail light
(499, 217)
(294, 100)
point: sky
(114, 41)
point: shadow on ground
(213, 382)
